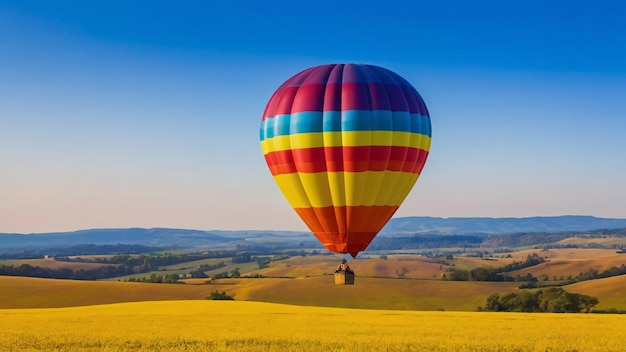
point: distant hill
(155, 237)
(148, 237)
(397, 227)
(487, 226)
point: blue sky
(146, 113)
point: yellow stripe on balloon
(323, 189)
(405, 183)
(291, 187)
(345, 139)
(337, 186)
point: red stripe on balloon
(349, 159)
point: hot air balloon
(345, 143)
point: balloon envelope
(345, 143)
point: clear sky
(147, 113)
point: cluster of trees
(201, 271)
(553, 300)
(159, 279)
(224, 274)
(424, 241)
(590, 274)
(493, 274)
(593, 274)
(102, 272)
(125, 264)
(524, 239)
(572, 245)
(151, 262)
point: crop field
(405, 266)
(611, 291)
(414, 267)
(300, 267)
(369, 293)
(51, 263)
(252, 326)
(564, 262)
(26, 292)
(307, 280)
(605, 241)
(194, 264)
(245, 267)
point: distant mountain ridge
(397, 227)
(149, 237)
(487, 226)
(154, 237)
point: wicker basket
(344, 277)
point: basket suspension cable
(339, 258)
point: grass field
(308, 280)
(606, 241)
(370, 293)
(252, 326)
(184, 268)
(25, 292)
(407, 266)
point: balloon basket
(344, 277)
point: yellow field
(564, 262)
(250, 326)
(605, 241)
(609, 291)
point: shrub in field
(220, 296)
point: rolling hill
(369, 293)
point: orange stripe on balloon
(347, 229)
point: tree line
(492, 274)
(593, 274)
(103, 272)
(125, 264)
(552, 300)
(149, 262)
(158, 279)
(424, 241)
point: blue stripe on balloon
(353, 120)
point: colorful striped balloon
(345, 144)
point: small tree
(493, 303)
(220, 296)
